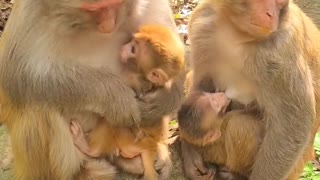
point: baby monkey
(150, 61)
(230, 139)
(152, 58)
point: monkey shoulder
(202, 19)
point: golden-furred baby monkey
(60, 60)
(265, 53)
(153, 57)
(157, 56)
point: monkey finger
(197, 175)
(74, 128)
(210, 175)
(200, 166)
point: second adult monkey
(157, 56)
(267, 53)
(61, 60)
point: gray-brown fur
(55, 66)
(152, 104)
(284, 69)
(190, 117)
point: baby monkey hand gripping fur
(228, 139)
(154, 57)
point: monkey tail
(43, 147)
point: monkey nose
(266, 21)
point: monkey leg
(43, 147)
(148, 160)
(308, 154)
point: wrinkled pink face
(259, 17)
(215, 102)
(104, 12)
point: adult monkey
(264, 52)
(60, 61)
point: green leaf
(173, 122)
(177, 16)
(316, 177)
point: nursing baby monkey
(153, 58)
(230, 139)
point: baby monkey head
(156, 51)
(200, 117)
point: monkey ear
(157, 76)
(211, 136)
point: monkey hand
(193, 164)
(80, 141)
(123, 109)
(163, 167)
(197, 170)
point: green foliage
(312, 171)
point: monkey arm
(71, 88)
(155, 105)
(289, 117)
(201, 57)
(158, 12)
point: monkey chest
(235, 85)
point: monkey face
(258, 18)
(104, 12)
(216, 103)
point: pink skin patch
(106, 11)
(103, 4)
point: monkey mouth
(262, 30)
(225, 108)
